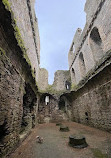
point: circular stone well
(77, 141)
(64, 128)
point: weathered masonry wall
(18, 87)
(90, 67)
(45, 112)
(62, 80)
(92, 103)
(92, 45)
(64, 106)
(27, 23)
(43, 79)
(11, 96)
(18, 106)
(56, 110)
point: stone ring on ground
(64, 128)
(77, 141)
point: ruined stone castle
(81, 94)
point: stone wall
(93, 44)
(45, 112)
(26, 21)
(92, 103)
(11, 97)
(54, 111)
(65, 107)
(18, 106)
(90, 67)
(43, 79)
(61, 80)
(90, 8)
(18, 87)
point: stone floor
(55, 144)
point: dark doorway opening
(62, 105)
(29, 104)
(3, 131)
(87, 116)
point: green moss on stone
(19, 40)
(73, 86)
(3, 56)
(7, 5)
(2, 51)
(17, 31)
(50, 89)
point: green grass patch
(98, 154)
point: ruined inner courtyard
(55, 143)
(70, 118)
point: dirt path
(55, 143)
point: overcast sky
(58, 20)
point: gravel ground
(55, 143)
